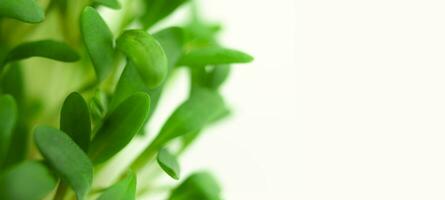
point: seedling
(74, 93)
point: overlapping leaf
(202, 107)
(69, 161)
(146, 54)
(29, 180)
(8, 119)
(98, 40)
(120, 127)
(75, 120)
(43, 48)
(23, 10)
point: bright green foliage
(69, 161)
(23, 10)
(147, 55)
(119, 128)
(8, 119)
(44, 48)
(98, 41)
(75, 120)
(200, 185)
(202, 107)
(30, 180)
(168, 163)
(214, 56)
(104, 99)
(155, 10)
(122, 190)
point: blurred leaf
(200, 185)
(202, 107)
(122, 190)
(68, 160)
(168, 163)
(211, 77)
(146, 54)
(8, 119)
(129, 83)
(120, 127)
(29, 180)
(172, 42)
(11, 82)
(75, 120)
(114, 4)
(98, 40)
(43, 48)
(194, 114)
(156, 10)
(214, 56)
(23, 10)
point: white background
(345, 100)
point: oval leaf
(98, 41)
(122, 190)
(114, 4)
(43, 48)
(168, 163)
(214, 56)
(147, 55)
(29, 180)
(120, 127)
(8, 119)
(66, 158)
(23, 10)
(75, 120)
(200, 185)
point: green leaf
(200, 185)
(68, 160)
(156, 10)
(23, 10)
(120, 127)
(29, 180)
(11, 82)
(122, 190)
(8, 119)
(147, 55)
(114, 4)
(172, 41)
(214, 56)
(129, 83)
(43, 48)
(202, 108)
(168, 163)
(211, 77)
(75, 120)
(98, 40)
